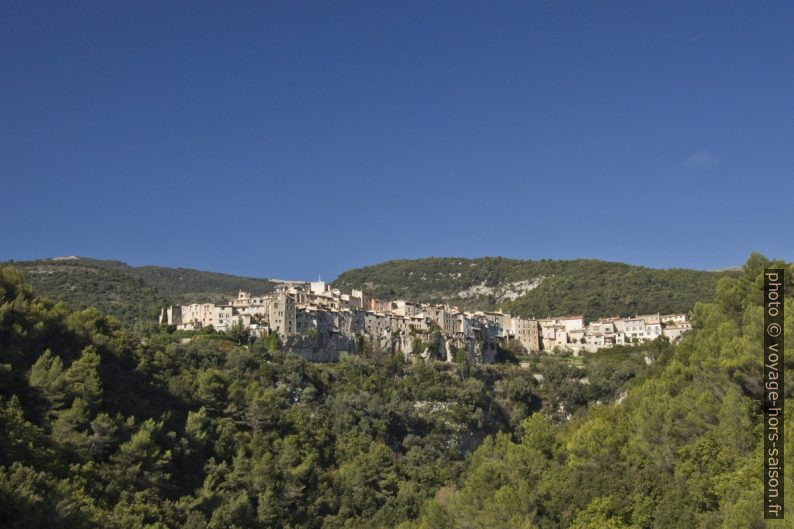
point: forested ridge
(538, 289)
(594, 288)
(131, 294)
(103, 425)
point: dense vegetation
(595, 288)
(105, 426)
(131, 294)
(682, 450)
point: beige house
(674, 331)
(674, 318)
(650, 319)
(197, 315)
(527, 332)
(282, 316)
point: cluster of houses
(570, 332)
(315, 311)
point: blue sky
(291, 139)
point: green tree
(82, 377)
(103, 435)
(47, 376)
(211, 390)
(239, 333)
(141, 460)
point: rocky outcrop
(324, 347)
(329, 347)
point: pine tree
(47, 376)
(82, 377)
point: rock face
(502, 292)
(478, 352)
(325, 347)
(330, 346)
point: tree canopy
(103, 425)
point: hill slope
(683, 447)
(537, 288)
(116, 428)
(126, 292)
(529, 288)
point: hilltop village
(320, 322)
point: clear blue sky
(290, 139)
